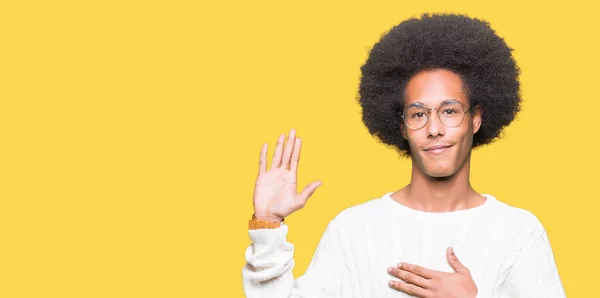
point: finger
(277, 154)
(262, 161)
(289, 147)
(418, 270)
(296, 155)
(408, 288)
(456, 265)
(410, 278)
(308, 191)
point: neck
(446, 194)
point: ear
(477, 118)
(403, 130)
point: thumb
(456, 265)
(308, 191)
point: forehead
(433, 87)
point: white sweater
(505, 248)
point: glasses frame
(439, 116)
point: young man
(433, 88)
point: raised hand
(275, 192)
(427, 283)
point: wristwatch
(255, 224)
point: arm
(269, 259)
(268, 271)
(535, 273)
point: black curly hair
(458, 43)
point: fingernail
(389, 270)
(399, 265)
(391, 283)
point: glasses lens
(415, 117)
(451, 114)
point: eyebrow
(420, 104)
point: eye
(418, 115)
(450, 111)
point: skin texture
(439, 182)
(432, 88)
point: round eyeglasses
(451, 114)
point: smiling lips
(437, 149)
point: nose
(434, 125)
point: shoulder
(516, 215)
(523, 224)
(529, 238)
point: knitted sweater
(505, 248)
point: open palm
(275, 192)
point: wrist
(267, 217)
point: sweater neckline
(490, 200)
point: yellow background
(130, 133)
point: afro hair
(458, 43)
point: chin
(438, 172)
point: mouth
(437, 149)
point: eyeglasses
(451, 114)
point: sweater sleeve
(269, 264)
(535, 273)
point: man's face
(431, 89)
